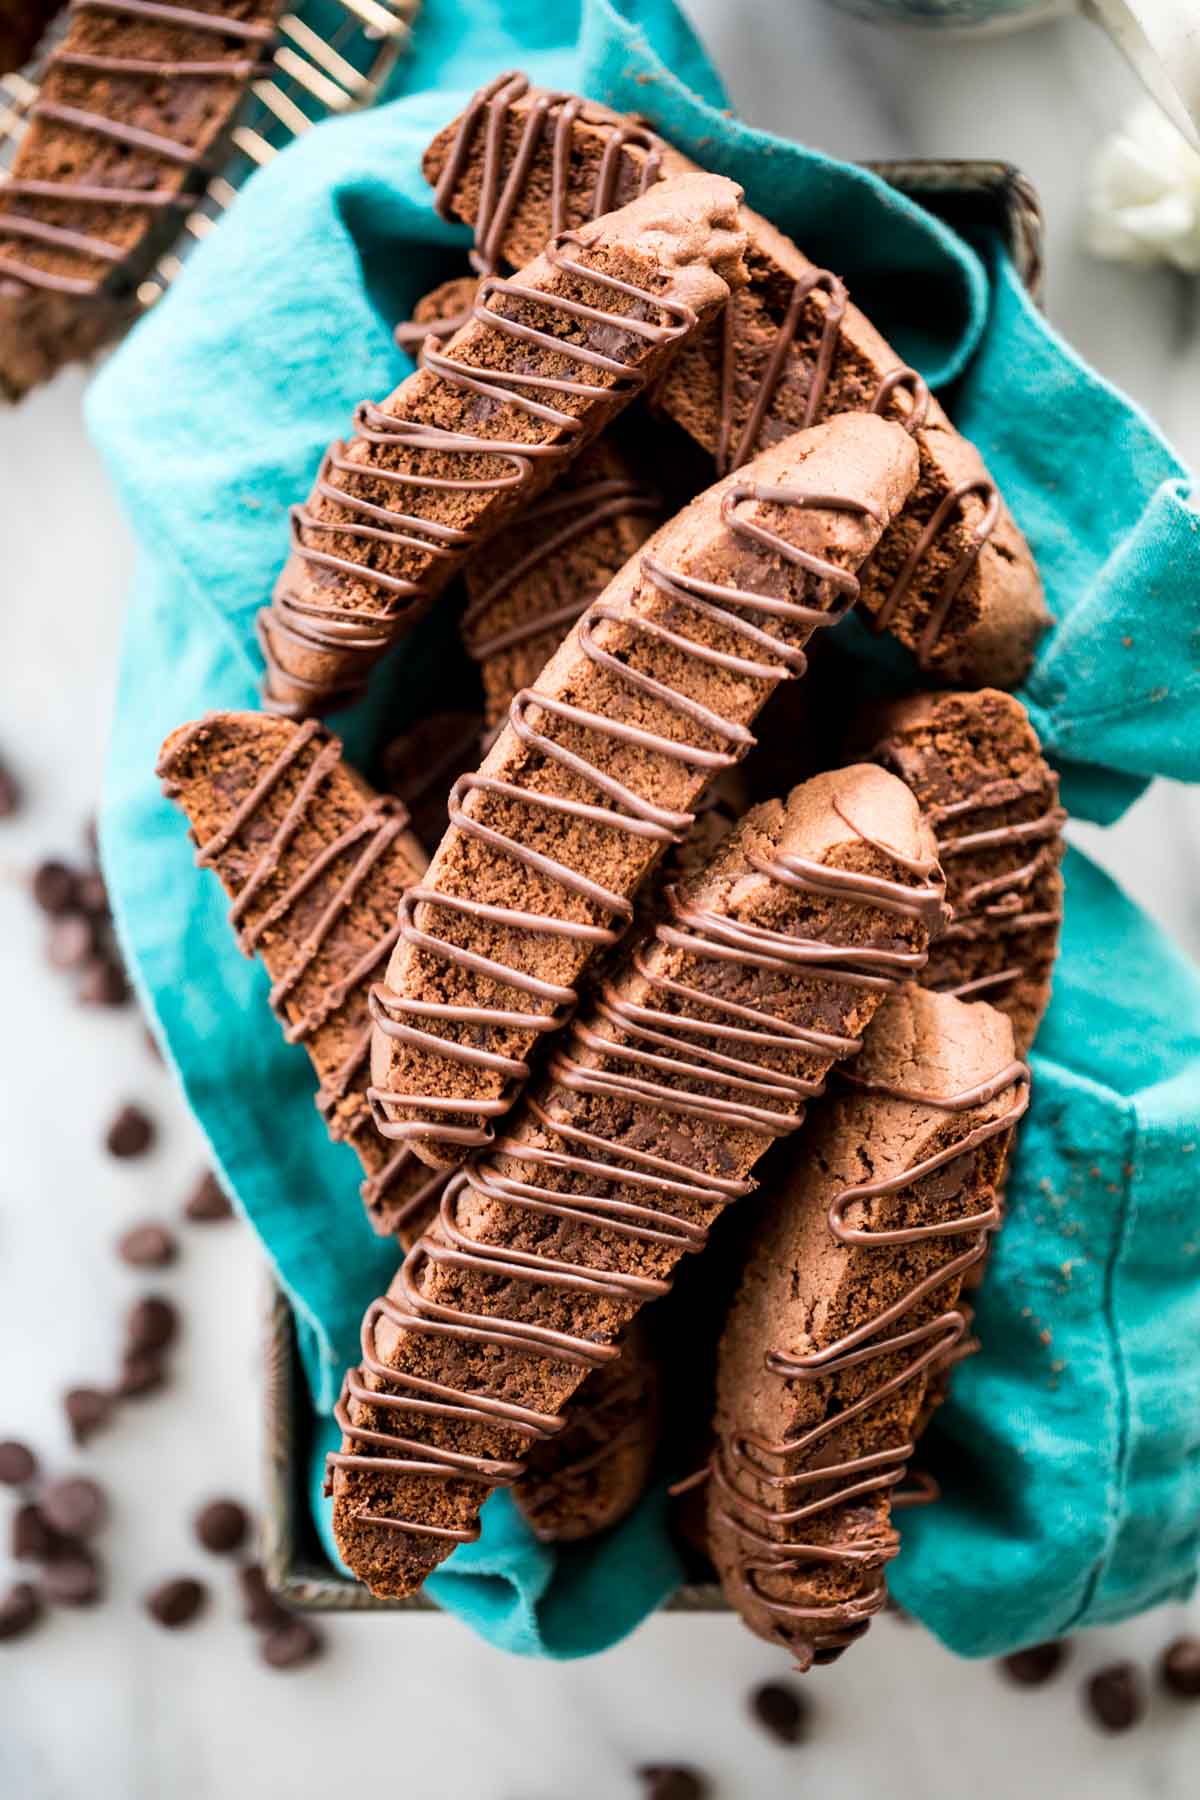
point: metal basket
(969, 195)
(313, 75)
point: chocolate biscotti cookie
(954, 579)
(547, 360)
(847, 1305)
(603, 763)
(592, 1474)
(976, 767)
(134, 102)
(700, 1050)
(540, 573)
(315, 864)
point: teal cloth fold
(1069, 1465)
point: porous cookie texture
(953, 580)
(547, 360)
(848, 1306)
(592, 1474)
(543, 570)
(133, 109)
(602, 765)
(699, 1051)
(976, 767)
(315, 864)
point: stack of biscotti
(615, 986)
(699, 1051)
(133, 107)
(315, 865)
(955, 580)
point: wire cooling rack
(330, 56)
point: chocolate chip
(32, 1538)
(10, 792)
(70, 941)
(88, 1410)
(72, 1577)
(152, 1324)
(103, 983)
(288, 1645)
(780, 1711)
(1030, 1668)
(76, 1507)
(91, 893)
(667, 1781)
(1179, 1669)
(1115, 1697)
(20, 1610)
(207, 1202)
(142, 1372)
(259, 1605)
(53, 887)
(147, 1246)
(151, 1043)
(222, 1525)
(18, 1464)
(91, 836)
(130, 1134)
(177, 1602)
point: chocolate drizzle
(730, 456)
(363, 635)
(570, 516)
(769, 1537)
(501, 192)
(692, 1053)
(404, 1019)
(1000, 905)
(615, 1410)
(255, 40)
(551, 115)
(367, 839)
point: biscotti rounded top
(955, 583)
(602, 764)
(847, 1308)
(547, 359)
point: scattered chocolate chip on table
(130, 1134)
(222, 1525)
(176, 1602)
(1179, 1669)
(20, 1610)
(76, 1507)
(18, 1464)
(1037, 1664)
(1116, 1697)
(148, 1246)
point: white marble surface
(106, 1706)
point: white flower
(1144, 196)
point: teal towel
(1069, 1451)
